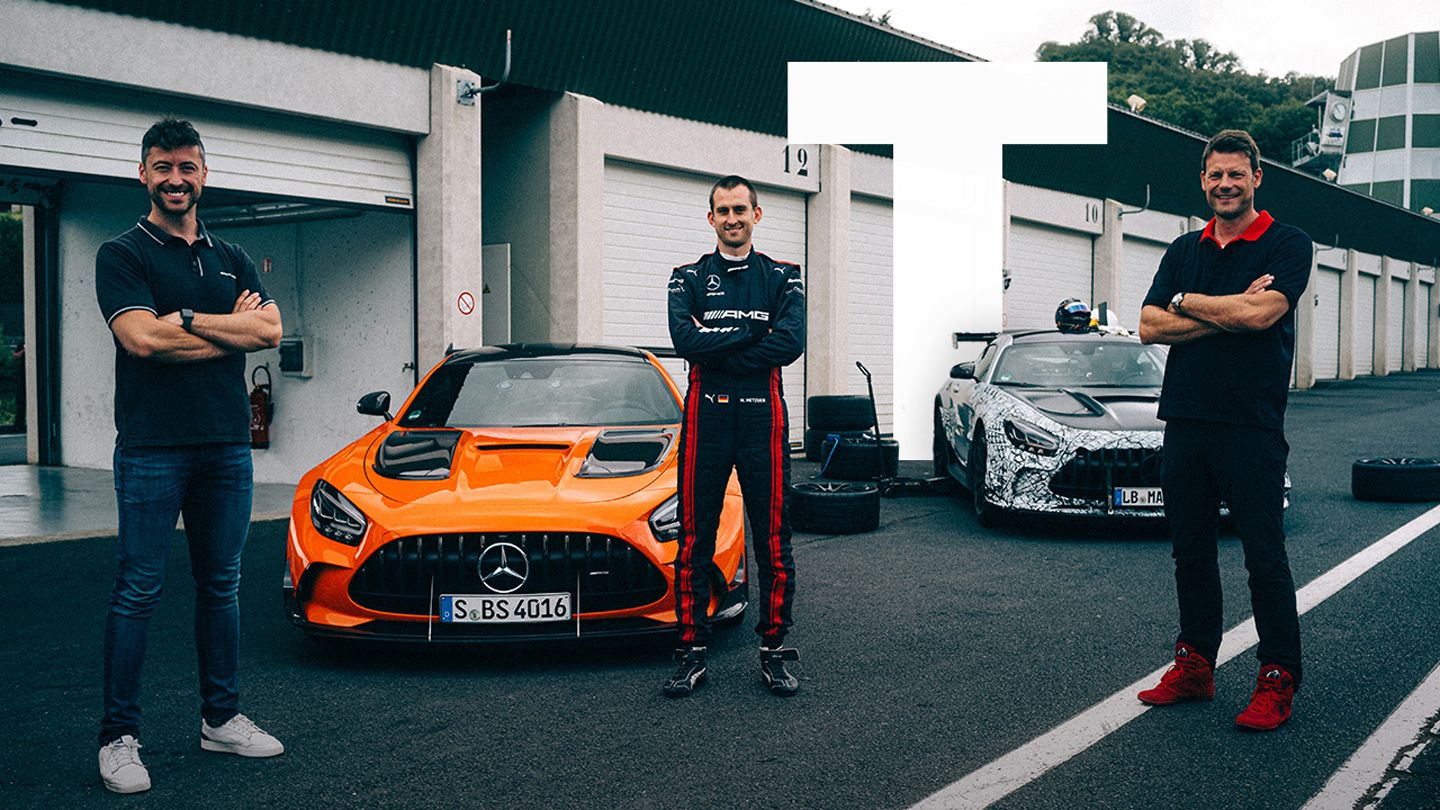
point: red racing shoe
(1270, 705)
(1191, 677)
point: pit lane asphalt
(929, 648)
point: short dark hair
(169, 134)
(732, 181)
(1231, 142)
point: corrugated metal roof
(1143, 151)
(724, 63)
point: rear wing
(971, 337)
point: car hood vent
(1096, 408)
(618, 453)
(417, 455)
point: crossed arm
(247, 327)
(1256, 309)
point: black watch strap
(187, 317)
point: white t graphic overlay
(948, 122)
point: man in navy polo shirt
(1224, 300)
(184, 308)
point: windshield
(1079, 364)
(544, 392)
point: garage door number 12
(801, 161)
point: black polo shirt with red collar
(1239, 378)
(164, 404)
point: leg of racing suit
(763, 460)
(707, 454)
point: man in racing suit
(738, 317)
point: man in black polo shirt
(184, 308)
(1224, 299)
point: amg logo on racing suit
(740, 314)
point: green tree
(1192, 83)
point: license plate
(492, 609)
(1138, 498)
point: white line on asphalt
(1020, 767)
(1370, 763)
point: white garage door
(1047, 265)
(655, 221)
(89, 131)
(1327, 325)
(1139, 261)
(870, 311)
(1395, 329)
(1365, 325)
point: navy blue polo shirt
(157, 403)
(1239, 378)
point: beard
(157, 196)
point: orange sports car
(523, 492)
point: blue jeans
(210, 484)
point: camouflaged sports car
(1052, 422)
(523, 492)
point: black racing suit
(752, 316)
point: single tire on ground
(1396, 480)
(815, 438)
(839, 412)
(857, 459)
(834, 507)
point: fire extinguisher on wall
(262, 408)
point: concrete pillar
(28, 252)
(1432, 317)
(827, 279)
(1109, 249)
(447, 221)
(1382, 318)
(1412, 309)
(1305, 328)
(1349, 289)
(577, 234)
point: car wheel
(940, 448)
(1396, 480)
(834, 507)
(815, 438)
(839, 412)
(858, 459)
(987, 514)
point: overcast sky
(1309, 37)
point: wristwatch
(1177, 301)
(187, 317)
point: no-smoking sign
(465, 303)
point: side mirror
(375, 403)
(962, 371)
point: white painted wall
(345, 281)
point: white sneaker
(120, 767)
(239, 736)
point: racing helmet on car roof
(1073, 315)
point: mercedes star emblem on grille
(503, 567)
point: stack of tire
(838, 434)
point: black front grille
(1094, 473)
(610, 573)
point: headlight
(665, 520)
(1031, 438)
(335, 516)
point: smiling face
(175, 179)
(733, 217)
(1229, 184)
